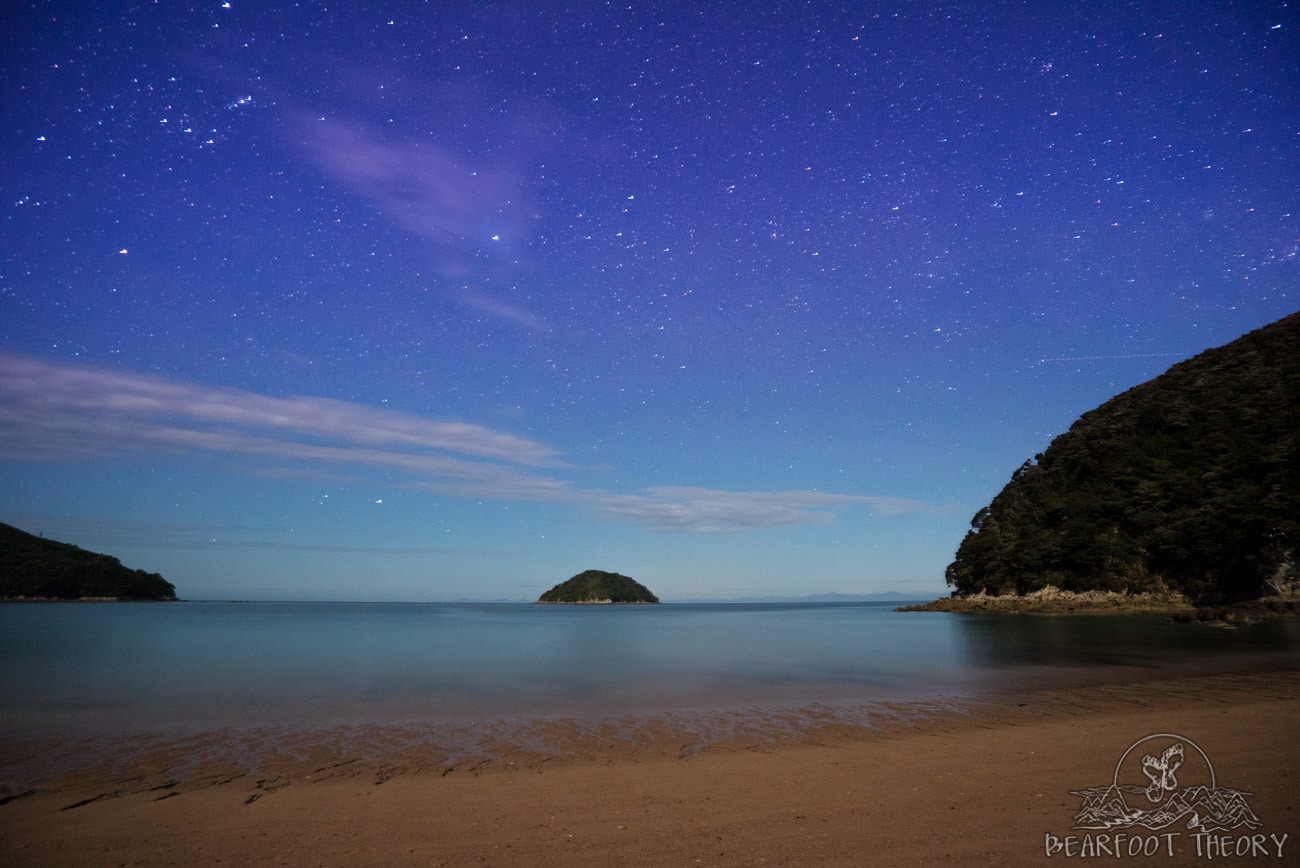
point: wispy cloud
(47, 405)
(419, 185)
(58, 412)
(678, 509)
(464, 206)
(509, 312)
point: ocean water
(81, 670)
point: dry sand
(983, 788)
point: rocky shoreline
(1054, 601)
(1248, 612)
(25, 598)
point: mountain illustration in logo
(1156, 799)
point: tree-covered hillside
(598, 586)
(33, 567)
(1190, 481)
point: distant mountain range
(885, 597)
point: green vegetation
(35, 568)
(598, 586)
(1189, 482)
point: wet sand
(986, 784)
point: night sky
(408, 301)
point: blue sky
(416, 301)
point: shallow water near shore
(78, 669)
(469, 678)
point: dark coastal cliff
(34, 568)
(1186, 485)
(598, 586)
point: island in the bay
(1181, 493)
(598, 586)
(35, 568)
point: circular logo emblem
(1158, 766)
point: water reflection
(229, 664)
(1024, 645)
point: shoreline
(1053, 601)
(87, 600)
(984, 782)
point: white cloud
(59, 412)
(419, 185)
(85, 407)
(679, 509)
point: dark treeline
(33, 567)
(599, 586)
(1189, 482)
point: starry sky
(428, 301)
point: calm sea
(76, 670)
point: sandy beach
(990, 784)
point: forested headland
(35, 568)
(1188, 484)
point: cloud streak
(419, 185)
(428, 190)
(500, 310)
(680, 509)
(60, 400)
(60, 412)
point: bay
(77, 670)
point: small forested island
(35, 568)
(598, 586)
(1182, 492)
